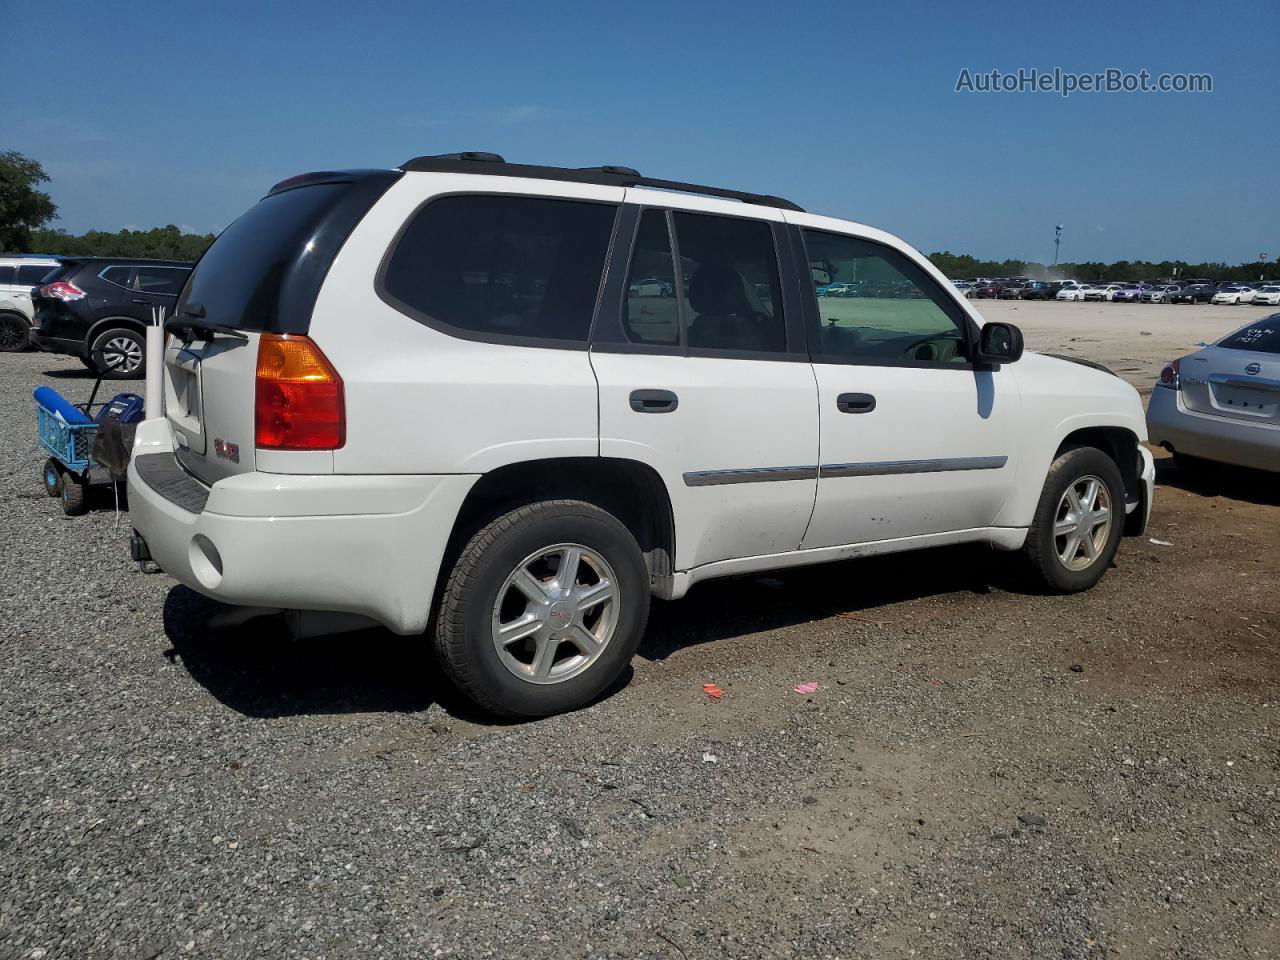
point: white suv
(443, 398)
(18, 276)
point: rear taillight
(298, 402)
(1169, 375)
(62, 290)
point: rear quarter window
(501, 268)
(1262, 337)
(34, 273)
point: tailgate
(209, 398)
(261, 275)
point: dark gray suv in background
(98, 309)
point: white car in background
(1160, 294)
(1072, 291)
(1268, 295)
(354, 433)
(1234, 293)
(19, 275)
(1103, 291)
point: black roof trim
(490, 164)
(322, 176)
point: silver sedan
(1223, 402)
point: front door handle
(855, 403)
(653, 401)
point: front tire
(1078, 522)
(543, 609)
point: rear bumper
(74, 348)
(366, 545)
(1241, 444)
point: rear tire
(74, 495)
(15, 333)
(573, 640)
(119, 354)
(1067, 516)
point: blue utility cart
(68, 432)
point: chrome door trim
(887, 468)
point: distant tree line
(960, 265)
(25, 210)
(160, 243)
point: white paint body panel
(920, 414)
(732, 414)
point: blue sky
(176, 112)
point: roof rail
(493, 165)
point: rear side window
(1263, 336)
(162, 280)
(34, 273)
(652, 311)
(7, 274)
(121, 276)
(500, 267)
(733, 300)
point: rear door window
(502, 267)
(1262, 337)
(732, 296)
(7, 274)
(165, 281)
(32, 274)
(120, 276)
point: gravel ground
(980, 773)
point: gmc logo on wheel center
(225, 450)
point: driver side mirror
(999, 343)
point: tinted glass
(733, 300)
(118, 275)
(1263, 337)
(238, 280)
(503, 266)
(892, 311)
(167, 281)
(652, 314)
(34, 273)
(7, 274)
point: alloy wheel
(122, 354)
(1082, 523)
(555, 613)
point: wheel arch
(630, 490)
(99, 327)
(1121, 445)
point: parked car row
(1135, 291)
(93, 308)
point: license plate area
(1245, 400)
(183, 403)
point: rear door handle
(855, 403)
(653, 401)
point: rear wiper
(190, 321)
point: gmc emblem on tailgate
(225, 450)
